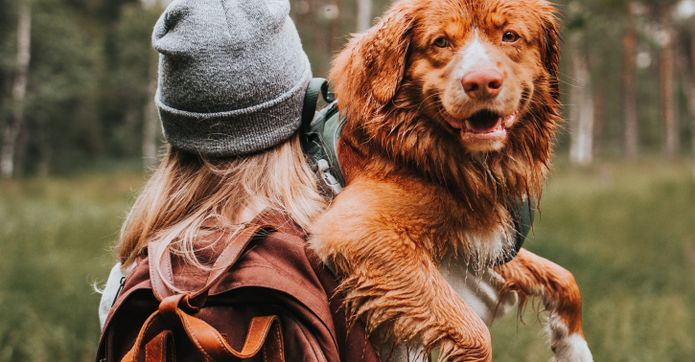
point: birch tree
(364, 15)
(582, 106)
(12, 129)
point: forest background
(79, 132)
(77, 78)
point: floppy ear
(384, 50)
(550, 50)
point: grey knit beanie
(232, 75)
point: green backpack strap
(317, 86)
(523, 213)
(320, 133)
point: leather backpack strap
(228, 258)
(153, 342)
(233, 251)
(160, 261)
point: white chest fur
(480, 291)
(473, 280)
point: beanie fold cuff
(235, 133)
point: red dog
(451, 110)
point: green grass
(626, 231)
(56, 237)
(628, 235)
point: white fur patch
(572, 349)
(481, 250)
(474, 56)
(567, 347)
(481, 292)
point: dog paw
(571, 348)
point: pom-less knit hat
(232, 75)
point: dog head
(463, 92)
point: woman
(232, 80)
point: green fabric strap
(320, 133)
(311, 100)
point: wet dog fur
(433, 161)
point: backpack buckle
(328, 178)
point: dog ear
(384, 51)
(550, 50)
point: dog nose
(481, 84)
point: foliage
(88, 81)
(92, 61)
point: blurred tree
(134, 65)
(692, 95)
(364, 15)
(11, 131)
(7, 57)
(686, 13)
(666, 77)
(582, 102)
(631, 130)
(150, 128)
(581, 112)
(63, 128)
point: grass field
(627, 232)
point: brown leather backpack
(267, 298)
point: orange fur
(418, 191)
(531, 275)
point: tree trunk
(334, 29)
(666, 85)
(631, 135)
(150, 121)
(19, 89)
(692, 94)
(599, 100)
(364, 15)
(582, 103)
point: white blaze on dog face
(474, 56)
(479, 57)
(477, 68)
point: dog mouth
(482, 131)
(483, 122)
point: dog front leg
(395, 286)
(532, 275)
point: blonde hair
(189, 196)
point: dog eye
(510, 37)
(441, 42)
